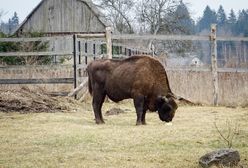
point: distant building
(177, 61)
(196, 62)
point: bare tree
(146, 16)
(165, 17)
(156, 14)
(231, 132)
(119, 13)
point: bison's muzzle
(166, 109)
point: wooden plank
(83, 85)
(175, 37)
(233, 70)
(43, 67)
(199, 69)
(222, 38)
(23, 54)
(42, 39)
(80, 79)
(159, 37)
(37, 81)
(81, 66)
(93, 35)
(188, 69)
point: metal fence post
(79, 52)
(86, 52)
(214, 67)
(75, 61)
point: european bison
(141, 78)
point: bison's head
(166, 108)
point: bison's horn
(172, 95)
(165, 99)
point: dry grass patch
(74, 140)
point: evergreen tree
(221, 17)
(209, 17)
(9, 26)
(232, 17)
(231, 21)
(13, 23)
(184, 20)
(241, 27)
(15, 20)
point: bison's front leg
(140, 110)
(98, 99)
(143, 120)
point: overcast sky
(196, 7)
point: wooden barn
(61, 19)
(55, 17)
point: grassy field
(72, 139)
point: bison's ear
(161, 100)
(173, 104)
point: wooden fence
(83, 48)
(35, 79)
(87, 47)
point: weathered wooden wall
(61, 44)
(63, 16)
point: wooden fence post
(245, 57)
(109, 42)
(213, 42)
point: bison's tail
(89, 84)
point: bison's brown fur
(141, 78)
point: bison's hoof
(100, 122)
(140, 123)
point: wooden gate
(88, 47)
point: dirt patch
(114, 111)
(25, 100)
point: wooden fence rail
(37, 81)
(175, 37)
(24, 54)
(33, 39)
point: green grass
(74, 140)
